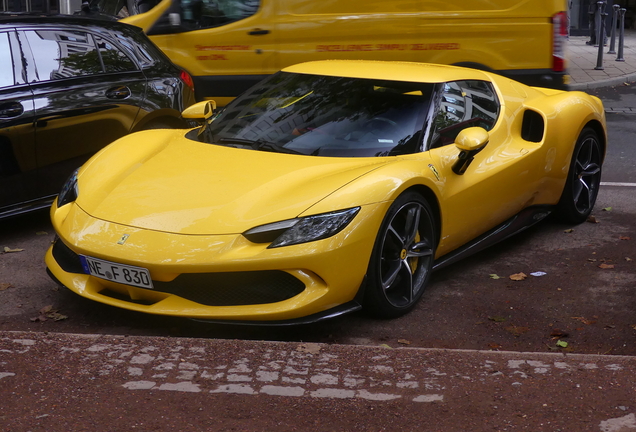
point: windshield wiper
(258, 144)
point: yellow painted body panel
(184, 204)
(501, 35)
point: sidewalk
(65, 382)
(582, 61)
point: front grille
(66, 258)
(234, 289)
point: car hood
(177, 185)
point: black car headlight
(302, 230)
(69, 191)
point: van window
(63, 54)
(460, 105)
(200, 14)
(6, 73)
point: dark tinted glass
(6, 71)
(326, 116)
(63, 54)
(463, 104)
(115, 60)
(198, 14)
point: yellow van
(228, 45)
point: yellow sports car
(328, 187)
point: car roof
(12, 19)
(387, 70)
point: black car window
(199, 14)
(325, 116)
(139, 51)
(115, 60)
(460, 105)
(6, 73)
(63, 54)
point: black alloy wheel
(402, 257)
(584, 179)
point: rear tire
(402, 258)
(584, 179)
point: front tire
(402, 258)
(584, 179)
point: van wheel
(402, 258)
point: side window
(63, 54)
(200, 14)
(115, 60)
(460, 105)
(6, 73)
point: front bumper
(194, 275)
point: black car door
(87, 93)
(17, 134)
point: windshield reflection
(325, 116)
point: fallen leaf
(56, 316)
(592, 219)
(624, 238)
(633, 326)
(494, 346)
(41, 233)
(385, 346)
(9, 250)
(569, 230)
(584, 320)
(626, 84)
(494, 276)
(518, 276)
(562, 344)
(404, 341)
(497, 318)
(311, 348)
(607, 209)
(591, 260)
(628, 259)
(4, 286)
(556, 333)
(46, 309)
(606, 266)
(517, 331)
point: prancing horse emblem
(123, 239)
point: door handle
(119, 92)
(11, 110)
(258, 32)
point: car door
(17, 135)
(496, 185)
(87, 93)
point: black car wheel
(402, 257)
(584, 179)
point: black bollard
(612, 48)
(600, 35)
(597, 23)
(621, 35)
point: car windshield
(324, 116)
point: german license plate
(123, 274)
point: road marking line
(618, 184)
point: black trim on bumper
(346, 308)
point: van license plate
(123, 274)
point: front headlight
(302, 230)
(69, 191)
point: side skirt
(521, 221)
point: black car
(68, 87)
